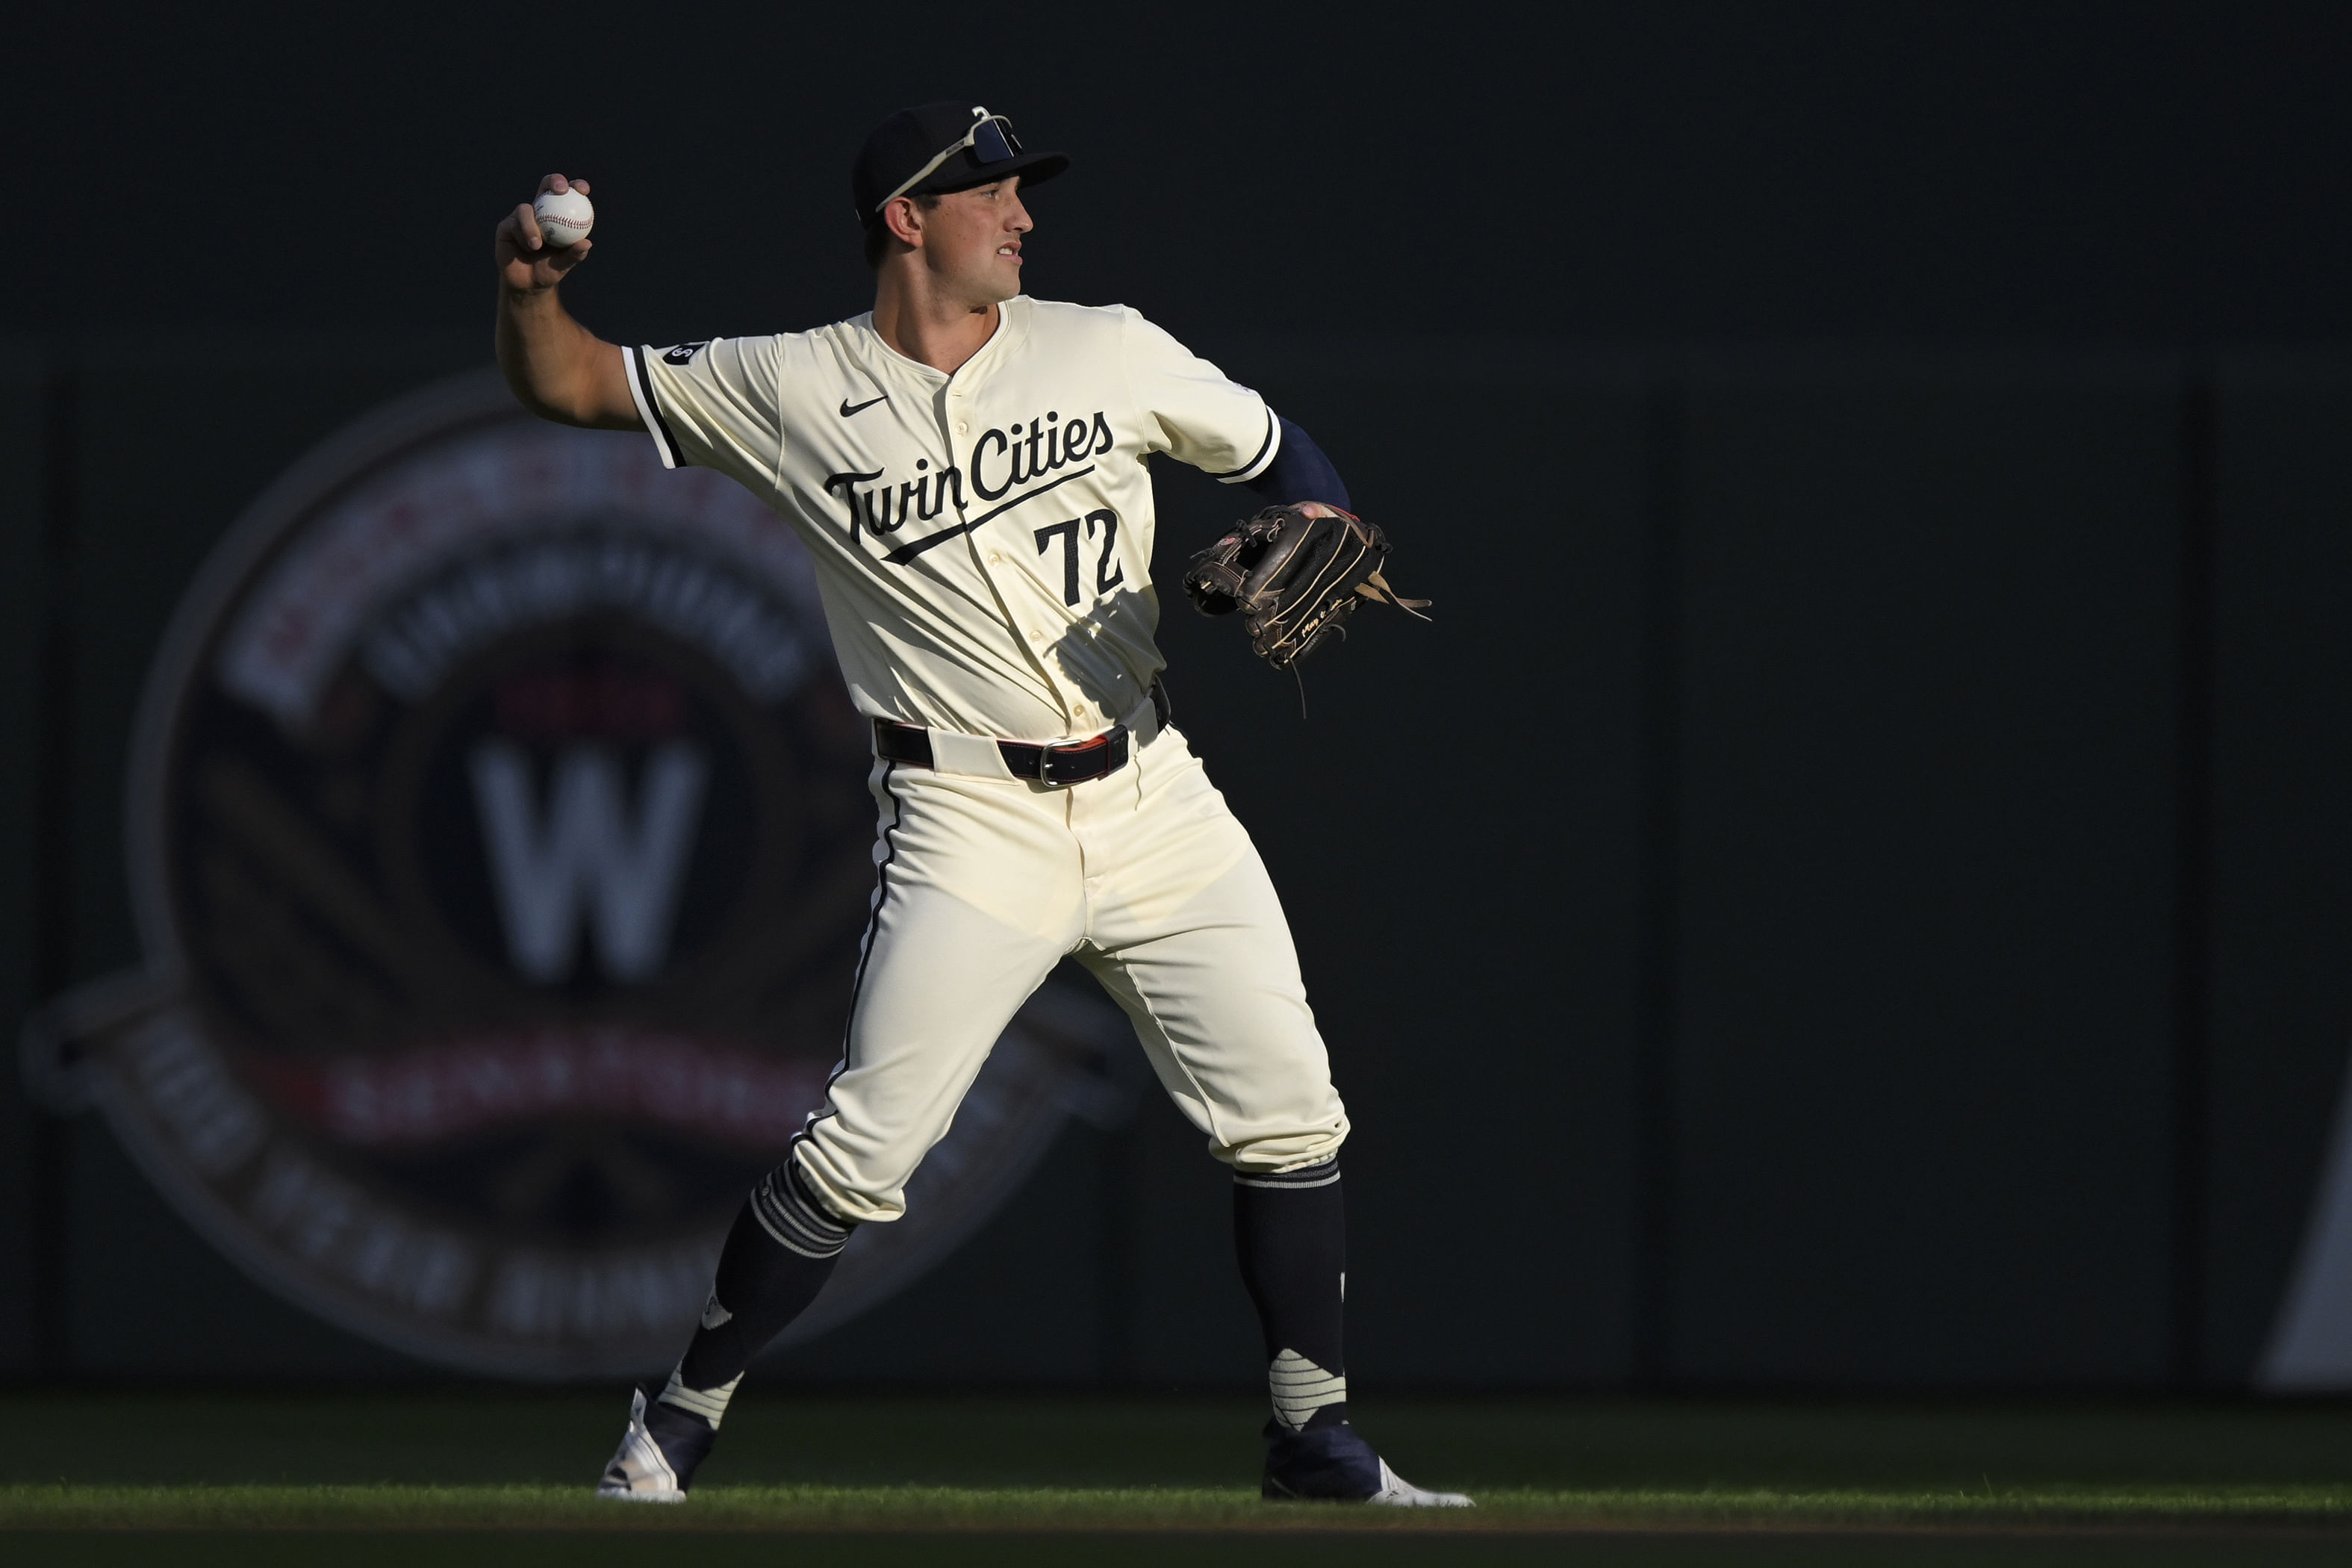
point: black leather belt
(1055, 763)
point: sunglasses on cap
(990, 140)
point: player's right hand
(526, 262)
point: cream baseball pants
(986, 883)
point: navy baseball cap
(940, 147)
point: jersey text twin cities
(1020, 455)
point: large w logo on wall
(586, 855)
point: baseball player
(967, 467)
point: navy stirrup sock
(778, 1256)
(1290, 1230)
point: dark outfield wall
(2099, 171)
(1853, 890)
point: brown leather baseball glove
(1296, 578)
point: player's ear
(904, 219)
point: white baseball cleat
(1397, 1492)
(644, 1471)
(1334, 1464)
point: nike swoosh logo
(849, 408)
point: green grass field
(454, 1479)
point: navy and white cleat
(1334, 1464)
(658, 1454)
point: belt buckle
(1110, 740)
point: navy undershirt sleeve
(1299, 472)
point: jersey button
(994, 559)
(1036, 637)
(962, 427)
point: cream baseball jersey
(982, 540)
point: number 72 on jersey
(1108, 573)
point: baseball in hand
(564, 217)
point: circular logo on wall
(502, 848)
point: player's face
(971, 241)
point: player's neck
(927, 327)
